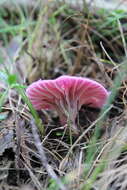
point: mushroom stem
(73, 126)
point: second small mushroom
(66, 95)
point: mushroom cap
(67, 94)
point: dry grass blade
(34, 178)
(114, 176)
(86, 131)
(44, 160)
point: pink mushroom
(66, 95)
